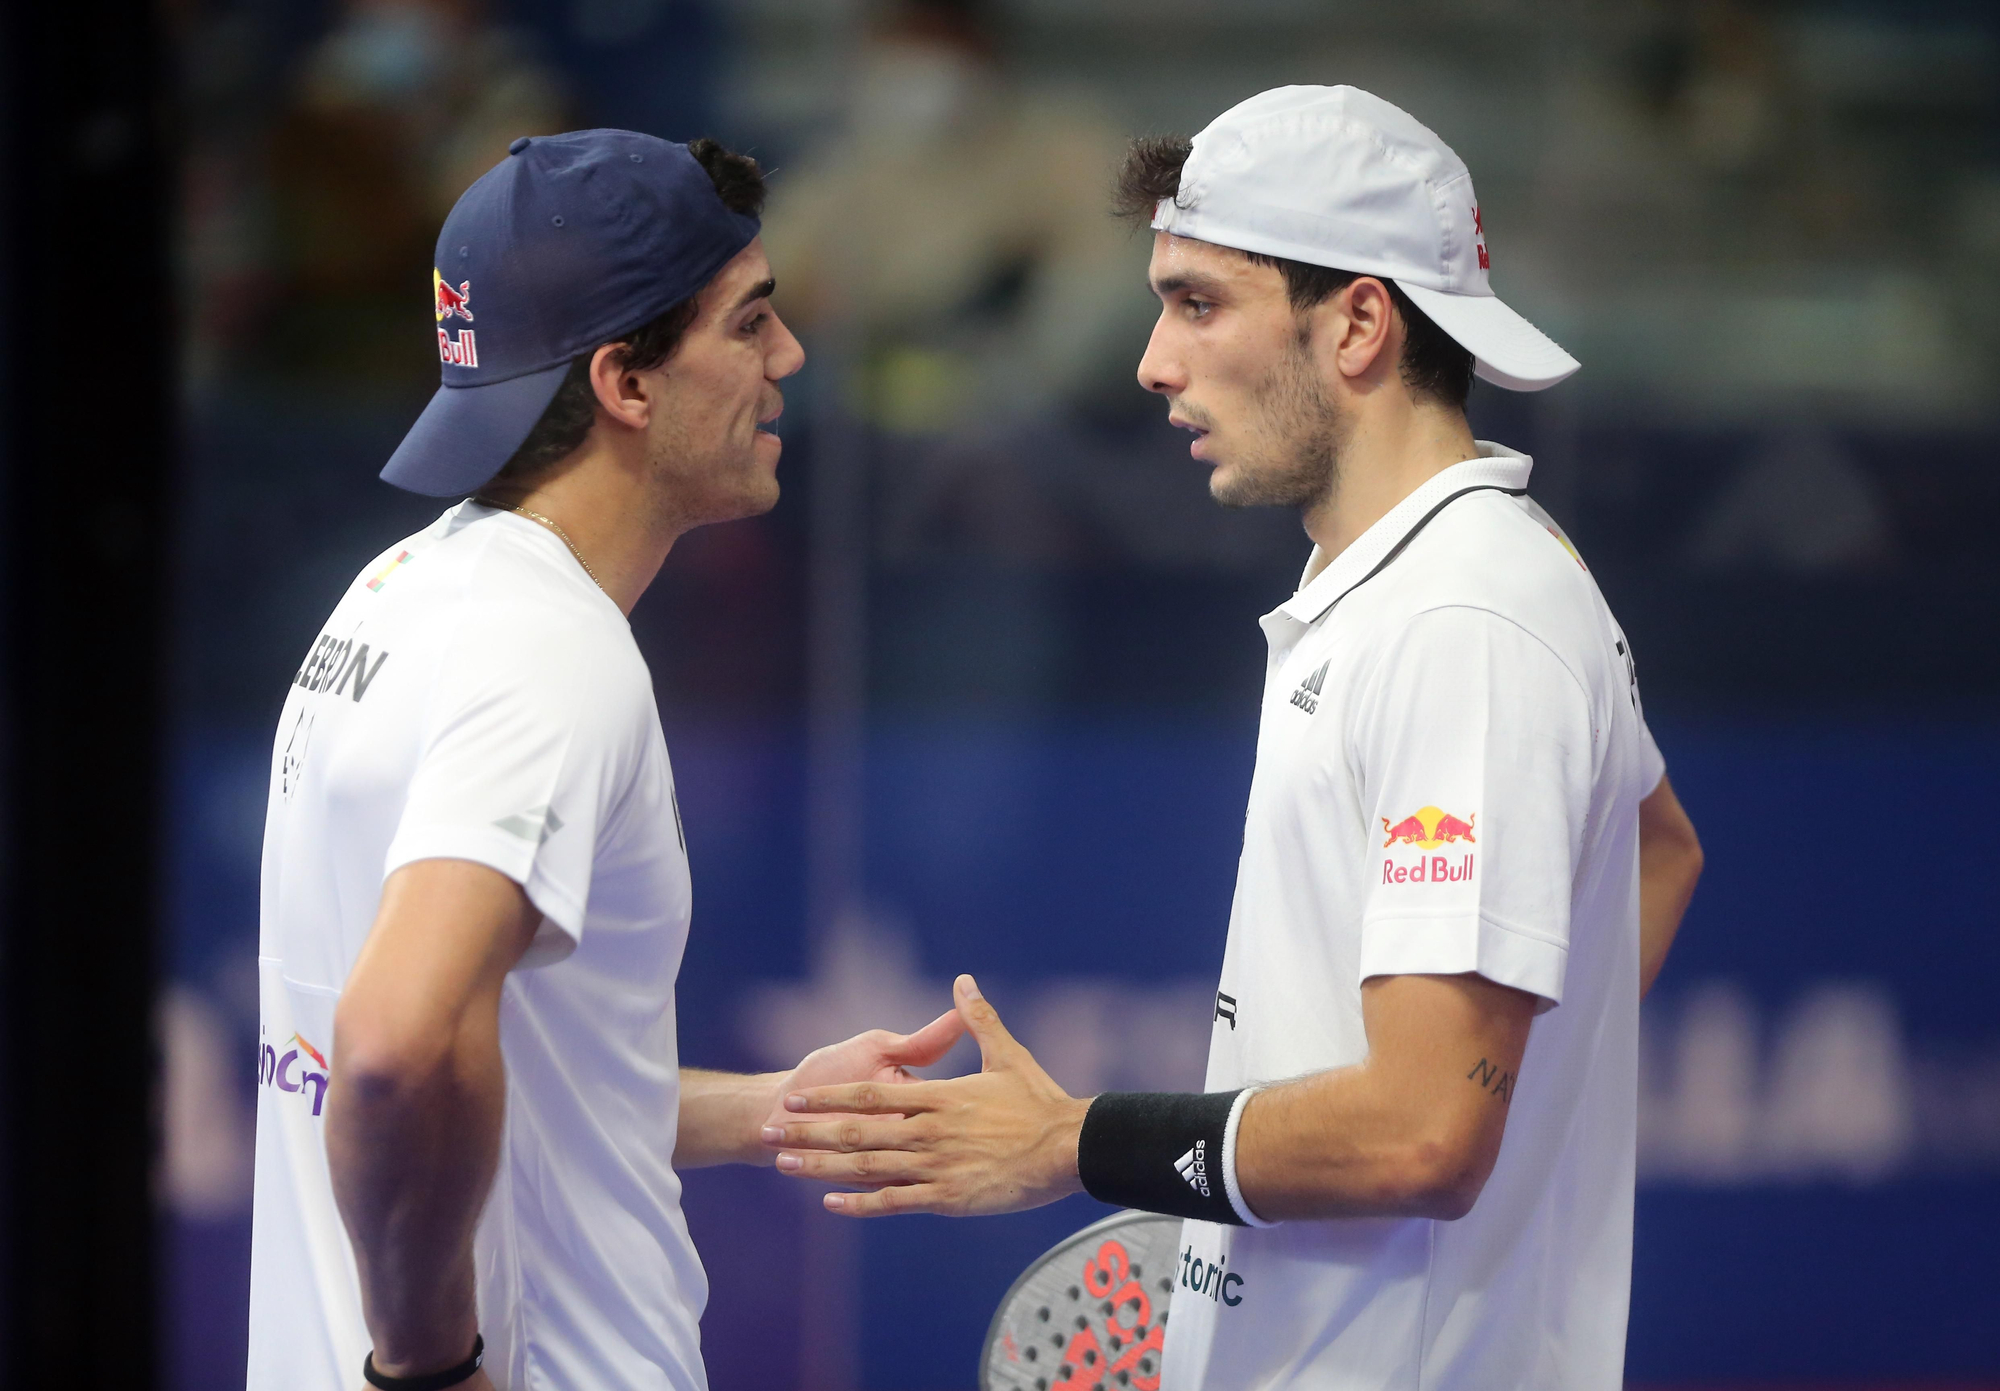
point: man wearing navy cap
(475, 887)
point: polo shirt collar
(1496, 465)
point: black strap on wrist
(429, 1381)
(1159, 1152)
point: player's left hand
(877, 1056)
(999, 1140)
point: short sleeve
(1474, 744)
(528, 748)
(1652, 763)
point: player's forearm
(1351, 1143)
(722, 1117)
(412, 1144)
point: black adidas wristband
(1159, 1152)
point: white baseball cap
(1335, 177)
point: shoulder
(505, 622)
(1499, 555)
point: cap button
(519, 145)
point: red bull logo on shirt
(290, 1071)
(1427, 828)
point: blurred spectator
(960, 232)
(395, 111)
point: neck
(608, 514)
(1394, 447)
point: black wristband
(429, 1381)
(1159, 1152)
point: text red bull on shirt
(1428, 828)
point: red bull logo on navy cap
(573, 240)
(462, 351)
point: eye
(755, 322)
(1198, 308)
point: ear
(621, 394)
(1369, 332)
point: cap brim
(1510, 351)
(467, 433)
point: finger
(887, 1202)
(997, 1047)
(864, 1098)
(868, 1168)
(845, 1135)
(927, 1044)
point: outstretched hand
(877, 1056)
(999, 1140)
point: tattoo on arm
(1491, 1079)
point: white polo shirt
(1449, 768)
(475, 696)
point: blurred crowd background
(981, 693)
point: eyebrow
(1187, 280)
(762, 290)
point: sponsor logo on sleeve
(297, 1068)
(1429, 828)
(382, 576)
(536, 823)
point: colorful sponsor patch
(382, 575)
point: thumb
(927, 1044)
(997, 1047)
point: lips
(1197, 449)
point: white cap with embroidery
(1335, 177)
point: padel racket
(1091, 1314)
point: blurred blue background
(981, 694)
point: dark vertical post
(88, 422)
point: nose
(1159, 369)
(785, 355)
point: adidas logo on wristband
(1193, 1167)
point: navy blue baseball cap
(570, 242)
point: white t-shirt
(475, 696)
(1449, 766)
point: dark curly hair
(1434, 367)
(571, 411)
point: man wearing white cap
(1462, 862)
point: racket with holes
(1091, 1314)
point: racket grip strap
(1166, 1152)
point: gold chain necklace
(548, 522)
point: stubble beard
(1305, 430)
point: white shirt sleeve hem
(1480, 945)
(1229, 1185)
(507, 854)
